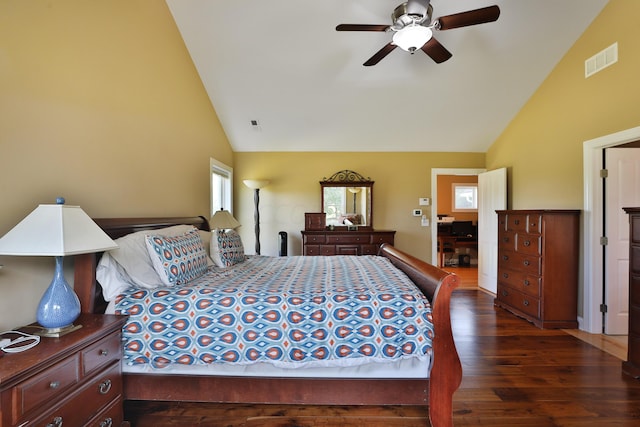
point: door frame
(435, 172)
(592, 217)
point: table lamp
(56, 230)
(223, 220)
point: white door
(492, 196)
(622, 189)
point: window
(221, 186)
(465, 197)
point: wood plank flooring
(514, 374)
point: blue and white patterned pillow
(177, 259)
(226, 248)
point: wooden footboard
(445, 375)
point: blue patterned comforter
(288, 311)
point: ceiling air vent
(601, 60)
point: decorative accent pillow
(177, 259)
(226, 248)
(132, 255)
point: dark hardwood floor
(514, 374)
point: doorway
(438, 208)
(593, 226)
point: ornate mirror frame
(349, 191)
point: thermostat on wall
(417, 212)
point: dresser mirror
(347, 201)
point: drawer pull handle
(54, 385)
(104, 387)
(526, 303)
(505, 293)
(527, 243)
(104, 352)
(526, 262)
(505, 257)
(516, 222)
(526, 282)
(57, 422)
(107, 423)
(505, 275)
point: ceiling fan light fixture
(412, 37)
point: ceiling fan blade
(465, 19)
(377, 57)
(436, 51)
(361, 27)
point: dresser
(632, 365)
(74, 380)
(338, 242)
(538, 265)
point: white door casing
(592, 229)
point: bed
(434, 386)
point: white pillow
(133, 257)
(112, 277)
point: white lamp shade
(223, 220)
(55, 230)
(412, 37)
(256, 183)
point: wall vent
(601, 60)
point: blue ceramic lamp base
(59, 306)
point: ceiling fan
(413, 28)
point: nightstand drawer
(47, 385)
(81, 406)
(101, 354)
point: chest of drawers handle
(104, 387)
(54, 385)
(104, 352)
(505, 275)
(57, 422)
(106, 423)
(505, 293)
(526, 262)
(505, 257)
(527, 243)
(526, 282)
(526, 303)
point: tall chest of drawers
(538, 265)
(74, 380)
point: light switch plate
(417, 212)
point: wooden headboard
(85, 284)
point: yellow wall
(99, 103)
(542, 146)
(400, 179)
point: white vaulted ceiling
(282, 63)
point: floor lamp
(256, 185)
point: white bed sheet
(406, 368)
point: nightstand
(74, 380)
